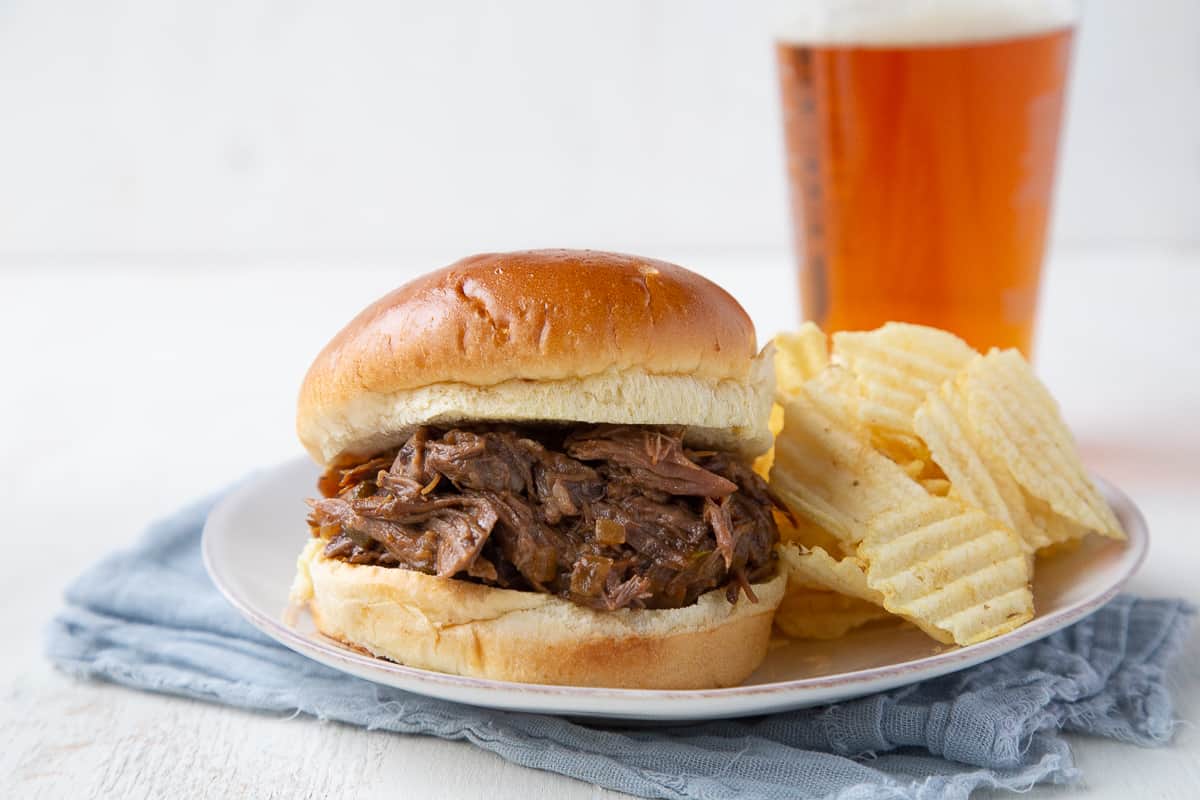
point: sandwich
(537, 469)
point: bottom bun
(480, 631)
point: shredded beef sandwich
(537, 468)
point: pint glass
(921, 145)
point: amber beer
(921, 180)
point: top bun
(541, 336)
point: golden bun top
(534, 335)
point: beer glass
(921, 139)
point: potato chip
(799, 356)
(896, 366)
(826, 597)
(806, 534)
(816, 569)
(979, 478)
(1018, 419)
(827, 472)
(903, 448)
(835, 393)
(1059, 548)
(955, 572)
(938, 487)
(819, 614)
(762, 464)
(1051, 531)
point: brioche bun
(464, 628)
(542, 336)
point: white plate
(253, 536)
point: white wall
(256, 128)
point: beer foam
(903, 22)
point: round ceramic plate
(252, 538)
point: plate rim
(930, 666)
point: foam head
(903, 22)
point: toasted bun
(469, 629)
(542, 336)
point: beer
(921, 178)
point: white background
(339, 130)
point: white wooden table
(129, 389)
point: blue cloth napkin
(151, 619)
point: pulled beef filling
(611, 516)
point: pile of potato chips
(923, 478)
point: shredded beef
(610, 516)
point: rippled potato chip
(820, 614)
(799, 356)
(955, 572)
(826, 597)
(806, 535)
(896, 365)
(1017, 419)
(974, 471)
(826, 470)
(815, 568)
(1052, 532)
